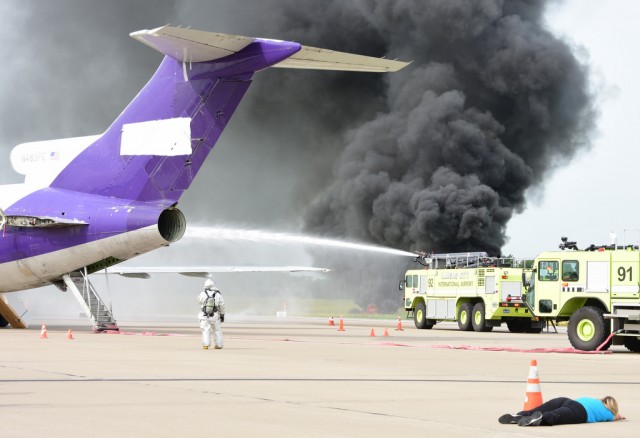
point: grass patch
(304, 307)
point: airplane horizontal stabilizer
(313, 58)
(190, 45)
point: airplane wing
(202, 271)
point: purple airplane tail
(115, 199)
(154, 149)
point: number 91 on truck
(594, 289)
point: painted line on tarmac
(299, 379)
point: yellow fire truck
(477, 291)
(595, 289)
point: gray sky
(595, 193)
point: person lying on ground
(563, 410)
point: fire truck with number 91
(595, 289)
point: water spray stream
(216, 233)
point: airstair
(100, 315)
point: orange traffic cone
(373, 333)
(43, 332)
(69, 334)
(399, 328)
(331, 323)
(533, 397)
(386, 332)
(341, 326)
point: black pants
(560, 410)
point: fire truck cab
(596, 290)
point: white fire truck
(595, 289)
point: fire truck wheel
(477, 319)
(516, 325)
(588, 329)
(533, 329)
(632, 344)
(464, 317)
(420, 317)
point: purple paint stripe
(106, 217)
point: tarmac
(297, 377)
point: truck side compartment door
(598, 276)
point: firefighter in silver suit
(211, 314)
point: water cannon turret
(567, 244)
(422, 258)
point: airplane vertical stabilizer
(156, 146)
(154, 149)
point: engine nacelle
(172, 224)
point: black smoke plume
(491, 103)
(439, 156)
